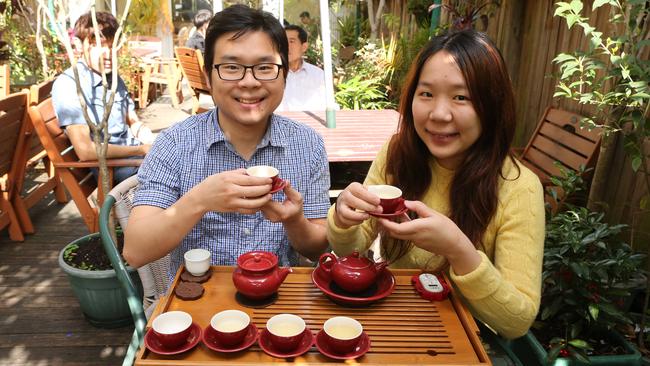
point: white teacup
(265, 171)
(197, 261)
(230, 326)
(342, 333)
(285, 331)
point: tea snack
(188, 277)
(189, 290)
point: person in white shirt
(305, 88)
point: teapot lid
(257, 261)
(354, 261)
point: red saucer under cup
(362, 347)
(305, 344)
(400, 211)
(210, 340)
(153, 344)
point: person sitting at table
(197, 38)
(194, 191)
(305, 90)
(94, 62)
(476, 211)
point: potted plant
(586, 276)
(93, 281)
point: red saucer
(211, 341)
(278, 187)
(362, 347)
(154, 345)
(400, 212)
(304, 346)
(382, 288)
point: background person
(197, 38)
(305, 90)
(194, 191)
(480, 213)
(93, 62)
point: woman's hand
(435, 233)
(353, 204)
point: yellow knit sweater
(504, 291)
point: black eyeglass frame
(246, 67)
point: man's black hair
(202, 16)
(302, 34)
(240, 19)
(304, 14)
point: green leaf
(579, 343)
(576, 6)
(636, 163)
(593, 311)
(598, 3)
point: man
(305, 89)
(94, 62)
(311, 26)
(194, 191)
(197, 40)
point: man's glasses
(235, 72)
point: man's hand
(233, 191)
(289, 210)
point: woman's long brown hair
(473, 194)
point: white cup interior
(285, 325)
(172, 322)
(197, 255)
(262, 171)
(342, 321)
(385, 191)
(230, 321)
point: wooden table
(358, 135)
(403, 328)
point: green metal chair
(133, 297)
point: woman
(480, 212)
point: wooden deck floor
(40, 320)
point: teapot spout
(283, 272)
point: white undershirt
(305, 90)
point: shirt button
(247, 231)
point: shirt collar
(86, 73)
(274, 135)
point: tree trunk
(596, 201)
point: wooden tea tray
(404, 329)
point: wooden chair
(35, 152)
(12, 141)
(559, 137)
(5, 77)
(162, 72)
(191, 62)
(75, 175)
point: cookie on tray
(188, 277)
(189, 290)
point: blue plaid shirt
(189, 152)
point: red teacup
(285, 331)
(342, 333)
(172, 328)
(390, 197)
(230, 326)
(265, 171)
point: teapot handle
(325, 264)
(381, 265)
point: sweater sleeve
(505, 293)
(360, 237)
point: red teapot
(257, 275)
(352, 273)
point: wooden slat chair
(5, 77)
(559, 137)
(24, 200)
(162, 72)
(12, 141)
(191, 62)
(75, 174)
